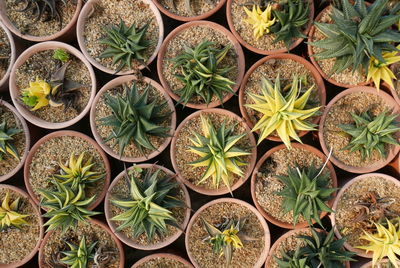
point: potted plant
(199, 71)
(200, 143)
(382, 264)
(359, 126)
(116, 41)
(151, 190)
(139, 133)
(52, 85)
(284, 78)
(21, 227)
(270, 27)
(394, 87)
(283, 175)
(14, 146)
(227, 232)
(41, 20)
(90, 244)
(364, 206)
(163, 260)
(336, 47)
(7, 55)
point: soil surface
(198, 7)
(5, 53)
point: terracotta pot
(4, 80)
(314, 61)
(391, 89)
(395, 164)
(27, 140)
(259, 165)
(192, 18)
(217, 27)
(369, 264)
(91, 221)
(221, 190)
(366, 169)
(62, 133)
(267, 236)
(124, 238)
(67, 33)
(41, 231)
(261, 51)
(80, 29)
(174, 257)
(359, 252)
(115, 83)
(15, 91)
(317, 77)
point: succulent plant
(9, 215)
(135, 118)
(7, 141)
(76, 173)
(61, 55)
(260, 20)
(218, 153)
(125, 44)
(369, 133)
(284, 114)
(43, 9)
(292, 259)
(35, 96)
(200, 71)
(78, 256)
(147, 210)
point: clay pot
(15, 91)
(369, 264)
(259, 165)
(224, 189)
(192, 18)
(359, 252)
(62, 133)
(174, 257)
(115, 83)
(67, 33)
(377, 165)
(39, 216)
(261, 51)
(124, 238)
(317, 77)
(235, 45)
(91, 221)
(27, 140)
(4, 80)
(87, 10)
(395, 164)
(267, 237)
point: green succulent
(134, 118)
(292, 259)
(369, 133)
(358, 32)
(125, 44)
(200, 71)
(61, 55)
(7, 145)
(78, 256)
(148, 207)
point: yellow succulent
(285, 115)
(231, 237)
(260, 20)
(35, 95)
(9, 217)
(384, 243)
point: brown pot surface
(163, 255)
(4, 80)
(369, 264)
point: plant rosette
(265, 185)
(133, 152)
(189, 10)
(101, 21)
(265, 44)
(382, 264)
(41, 25)
(7, 55)
(120, 190)
(162, 260)
(51, 91)
(21, 240)
(254, 235)
(338, 114)
(379, 193)
(287, 66)
(192, 35)
(108, 248)
(195, 176)
(17, 129)
(44, 159)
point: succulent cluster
(135, 118)
(43, 9)
(78, 256)
(260, 19)
(218, 153)
(200, 71)
(7, 136)
(9, 215)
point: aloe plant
(9, 215)
(7, 136)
